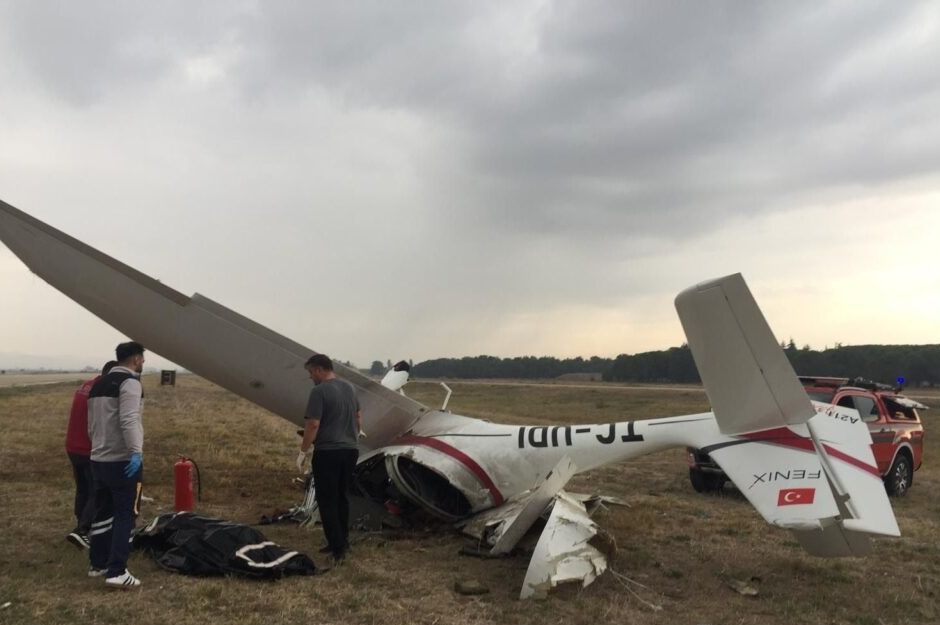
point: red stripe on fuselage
(460, 457)
(786, 437)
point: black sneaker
(78, 539)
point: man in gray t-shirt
(334, 404)
(332, 424)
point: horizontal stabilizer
(749, 381)
(843, 443)
(818, 480)
(834, 541)
(780, 475)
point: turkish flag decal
(794, 496)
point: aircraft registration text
(565, 435)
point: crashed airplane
(496, 481)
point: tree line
(520, 367)
(917, 364)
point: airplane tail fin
(808, 468)
(749, 381)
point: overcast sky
(412, 180)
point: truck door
(904, 421)
(882, 436)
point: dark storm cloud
(541, 142)
(668, 114)
(583, 117)
(626, 114)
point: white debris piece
(502, 528)
(563, 553)
(514, 529)
(594, 501)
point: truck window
(866, 406)
(897, 411)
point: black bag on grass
(196, 545)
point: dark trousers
(332, 475)
(84, 492)
(117, 502)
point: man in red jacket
(78, 448)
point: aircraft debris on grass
(496, 481)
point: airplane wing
(195, 332)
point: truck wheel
(899, 478)
(705, 482)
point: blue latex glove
(133, 465)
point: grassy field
(685, 549)
(32, 379)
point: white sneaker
(125, 581)
(93, 572)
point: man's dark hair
(319, 360)
(111, 364)
(126, 350)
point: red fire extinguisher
(183, 481)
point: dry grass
(31, 379)
(683, 547)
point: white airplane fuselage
(491, 463)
